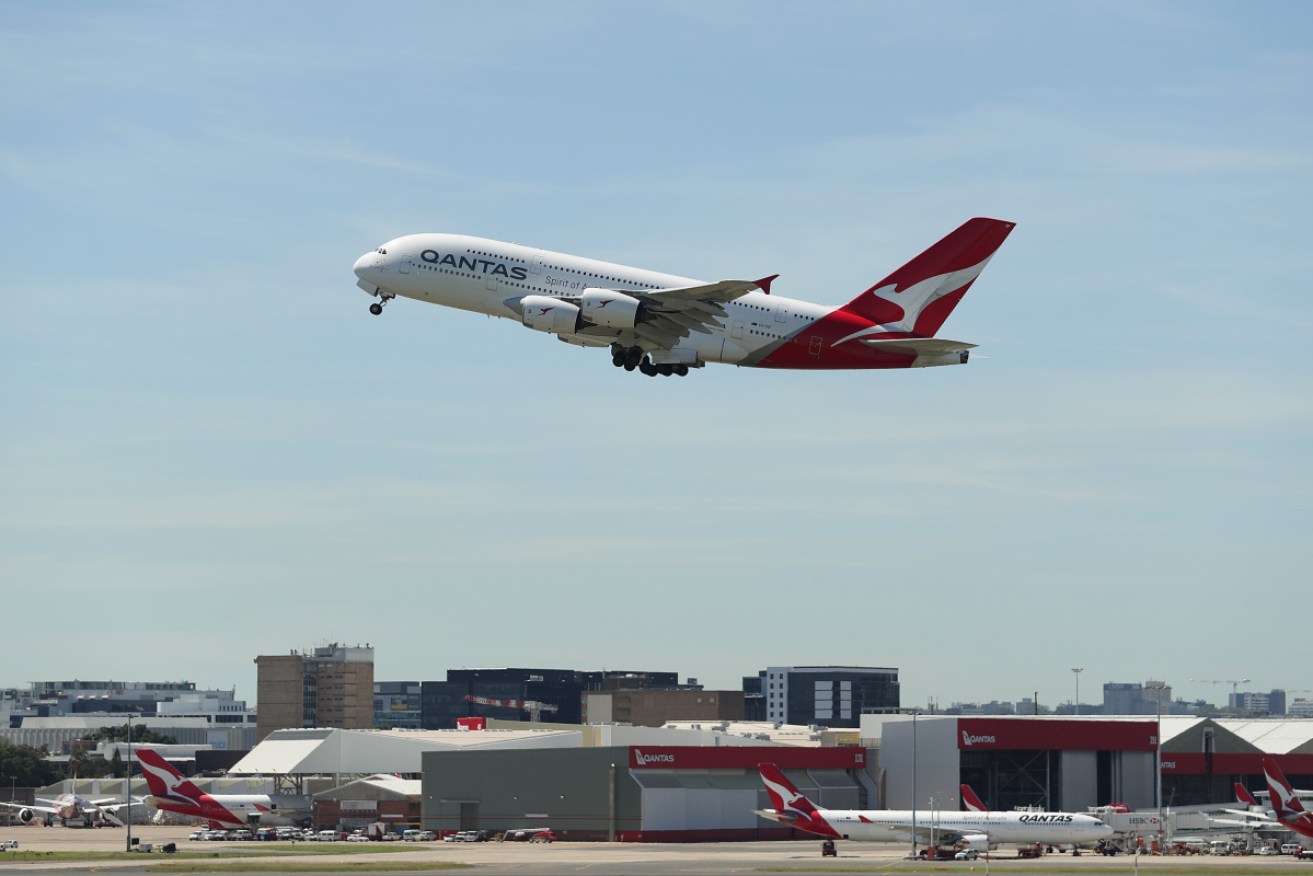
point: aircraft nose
(363, 265)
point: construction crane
(1235, 686)
(1234, 682)
(533, 707)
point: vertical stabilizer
(920, 295)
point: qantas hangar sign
(1024, 733)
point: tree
(25, 766)
(118, 732)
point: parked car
(966, 855)
(357, 838)
(8, 844)
(328, 836)
(427, 836)
(197, 835)
(543, 836)
(411, 835)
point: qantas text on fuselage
(665, 324)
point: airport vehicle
(171, 791)
(8, 844)
(666, 324)
(71, 807)
(1286, 805)
(965, 830)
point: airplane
(171, 791)
(1285, 800)
(71, 807)
(665, 324)
(979, 831)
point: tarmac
(596, 859)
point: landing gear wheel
(376, 308)
(681, 370)
(666, 370)
(647, 368)
(629, 366)
(618, 359)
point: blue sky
(210, 446)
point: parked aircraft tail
(163, 778)
(971, 802)
(1285, 802)
(1242, 795)
(790, 806)
(920, 295)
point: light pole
(913, 784)
(1158, 687)
(127, 784)
(1077, 670)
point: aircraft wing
(670, 314)
(36, 807)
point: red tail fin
(1242, 795)
(920, 295)
(163, 778)
(788, 801)
(971, 801)
(1285, 802)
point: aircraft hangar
(1071, 763)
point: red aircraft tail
(163, 778)
(790, 804)
(971, 802)
(1285, 802)
(920, 295)
(1242, 795)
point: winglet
(764, 283)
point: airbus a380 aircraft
(171, 791)
(979, 830)
(665, 324)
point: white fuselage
(480, 275)
(1001, 827)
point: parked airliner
(967, 830)
(171, 791)
(71, 807)
(666, 324)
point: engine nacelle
(609, 308)
(974, 841)
(26, 815)
(546, 314)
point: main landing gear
(377, 307)
(630, 358)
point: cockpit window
(381, 251)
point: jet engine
(547, 314)
(609, 308)
(26, 815)
(977, 841)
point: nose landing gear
(377, 307)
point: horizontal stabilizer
(918, 346)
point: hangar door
(697, 801)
